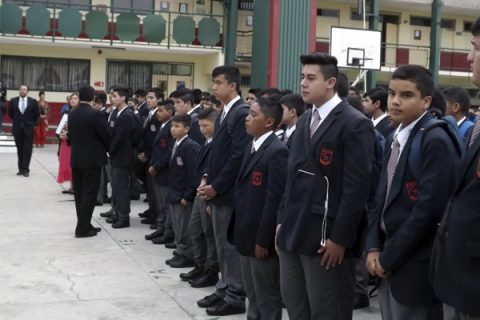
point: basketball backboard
(356, 48)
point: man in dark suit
(121, 159)
(328, 181)
(409, 207)
(258, 192)
(226, 155)
(89, 137)
(455, 264)
(24, 112)
(375, 105)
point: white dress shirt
(377, 121)
(403, 133)
(325, 109)
(257, 143)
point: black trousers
(24, 143)
(86, 182)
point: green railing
(110, 25)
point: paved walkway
(47, 274)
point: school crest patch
(257, 178)
(163, 143)
(412, 189)
(326, 156)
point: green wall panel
(261, 32)
(70, 22)
(38, 20)
(96, 24)
(128, 26)
(184, 30)
(154, 28)
(10, 18)
(209, 31)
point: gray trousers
(180, 221)
(101, 189)
(450, 313)
(121, 193)
(390, 309)
(261, 279)
(228, 257)
(203, 239)
(161, 207)
(361, 276)
(312, 292)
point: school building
(59, 45)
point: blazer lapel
(257, 155)
(329, 120)
(469, 156)
(306, 131)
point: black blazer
(290, 139)
(385, 127)
(121, 148)
(89, 137)
(23, 122)
(149, 133)
(142, 112)
(341, 151)
(201, 165)
(162, 148)
(412, 212)
(226, 154)
(455, 268)
(182, 171)
(258, 191)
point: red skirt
(40, 132)
(64, 169)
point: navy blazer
(412, 212)
(89, 137)
(149, 133)
(226, 154)
(339, 158)
(23, 122)
(258, 192)
(201, 165)
(162, 148)
(121, 148)
(143, 111)
(385, 127)
(456, 255)
(182, 171)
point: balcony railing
(105, 25)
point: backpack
(464, 127)
(415, 155)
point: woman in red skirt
(41, 129)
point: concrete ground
(47, 274)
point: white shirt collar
(377, 121)
(325, 109)
(403, 133)
(290, 130)
(257, 143)
(209, 140)
(120, 111)
(193, 109)
(279, 132)
(229, 105)
(164, 124)
(459, 122)
(177, 142)
(153, 111)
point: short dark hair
(476, 28)
(378, 94)
(86, 93)
(197, 96)
(112, 88)
(205, 95)
(458, 95)
(271, 108)
(123, 92)
(214, 100)
(269, 92)
(188, 98)
(180, 92)
(438, 106)
(184, 119)
(255, 92)
(101, 98)
(41, 92)
(327, 63)
(231, 74)
(140, 93)
(168, 106)
(284, 92)
(157, 92)
(294, 101)
(356, 102)
(208, 114)
(342, 85)
(419, 75)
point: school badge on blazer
(163, 143)
(412, 189)
(326, 156)
(257, 178)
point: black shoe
(160, 240)
(207, 279)
(361, 301)
(153, 226)
(224, 309)
(26, 174)
(209, 301)
(121, 224)
(171, 245)
(145, 200)
(111, 220)
(98, 204)
(90, 233)
(108, 214)
(20, 173)
(134, 197)
(151, 236)
(192, 274)
(167, 262)
(107, 200)
(144, 214)
(96, 229)
(147, 221)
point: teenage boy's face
(207, 127)
(250, 99)
(315, 88)
(287, 115)
(368, 105)
(405, 102)
(182, 107)
(178, 130)
(221, 88)
(152, 100)
(256, 123)
(163, 115)
(474, 59)
(117, 99)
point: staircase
(7, 144)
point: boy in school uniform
(293, 107)
(375, 105)
(181, 192)
(158, 171)
(184, 105)
(258, 191)
(409, 207)
(206, 268)
(458, 104)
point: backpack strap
(463, 129)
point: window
(81, 4)
(467, 26)
(420, 21)
(134, 75)
(143, 6)
(65, 75)
(355, 15)
(245, 5)
(448, 24)
(328, 13)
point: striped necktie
(475, 133)
(391, 168)
(315, 122)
